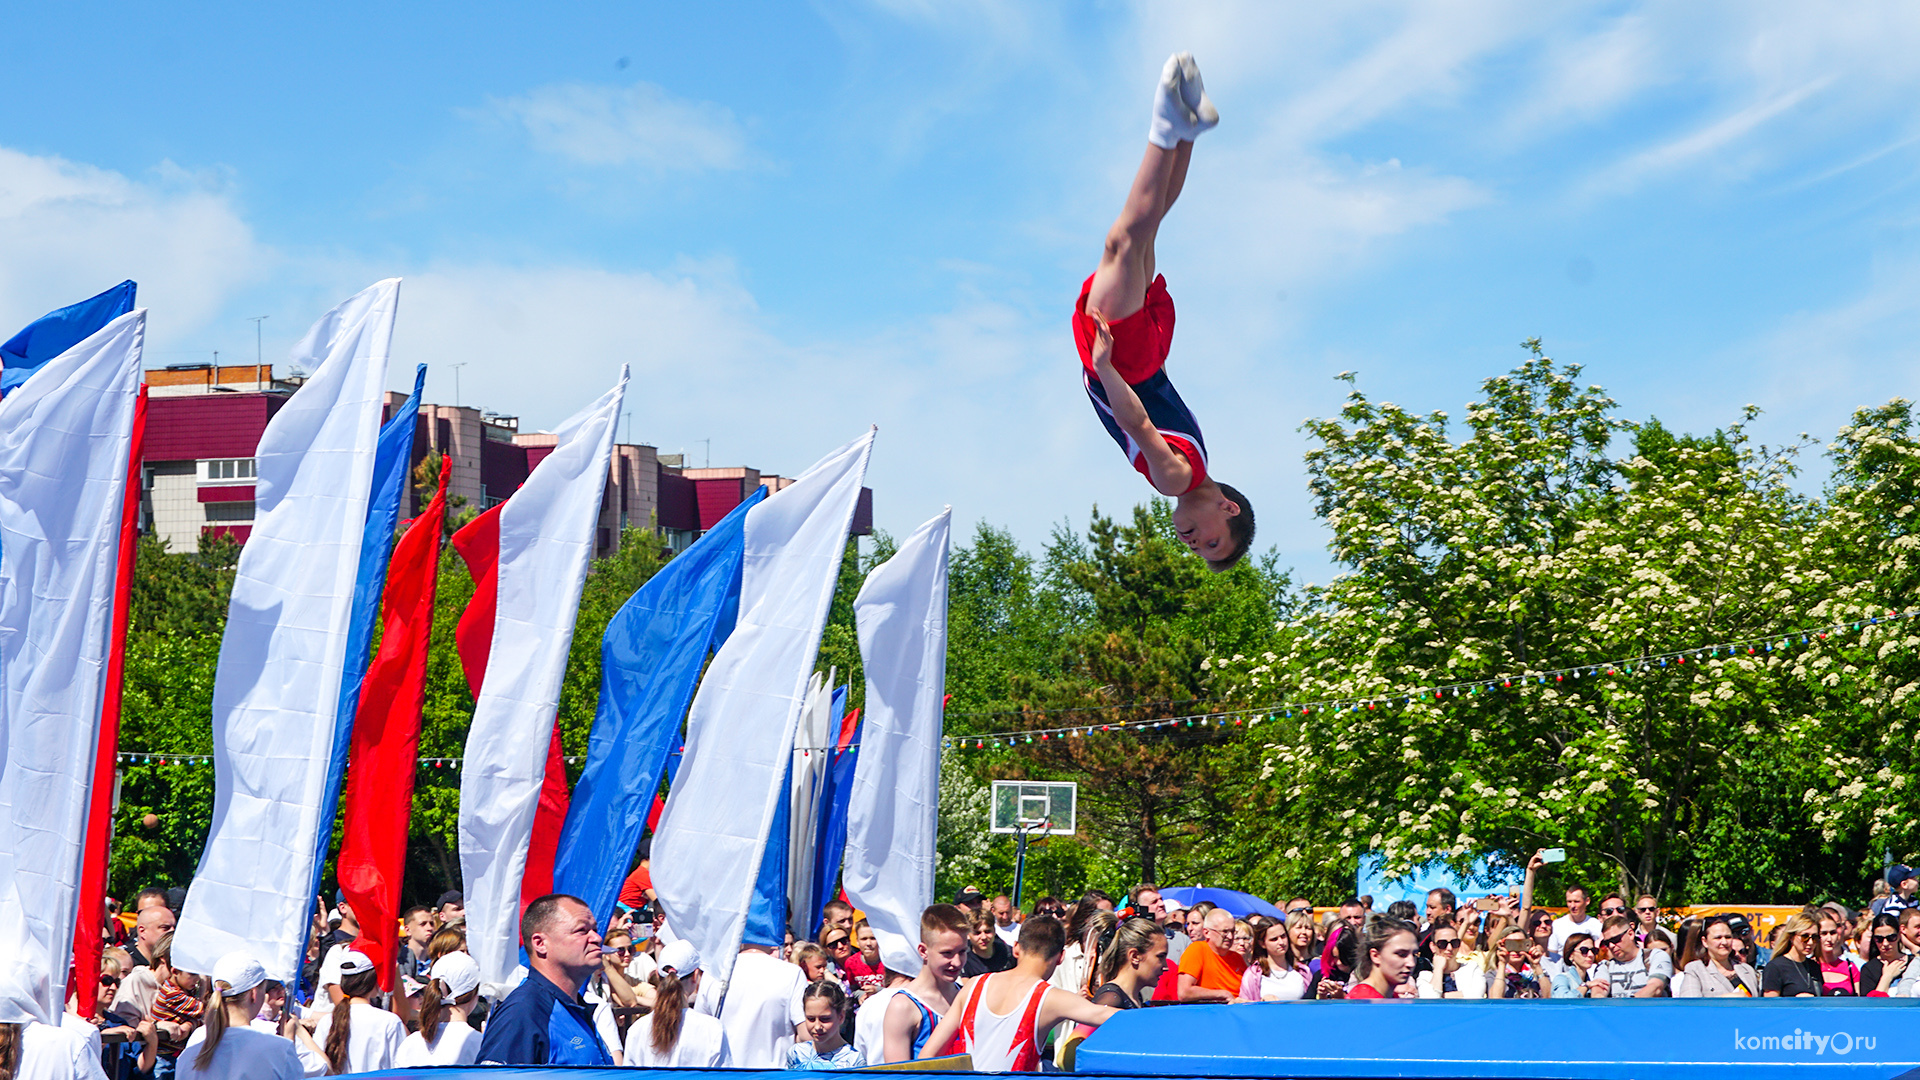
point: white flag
(277, 690)
(892, 815)
(64, 439)
(546, 539)
(713, 832)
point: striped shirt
(175, 1006)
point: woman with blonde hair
(1786, 974)
(226, 1046)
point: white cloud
(639, 126)
(1708, 141)
(69, 230)
(974, 404)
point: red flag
(386, 736)
(106, 754)
(478, 543)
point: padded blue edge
(1535, 1040)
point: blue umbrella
(1238, 904)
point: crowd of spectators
(1012, 989)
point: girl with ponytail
(673, 1035)
(1131, 964)
(445, 1037)
(356, 1036)
(226, 1046)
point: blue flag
(767, 914)
(650, 661)
(834, 801)
(58, 331)
(392, 456)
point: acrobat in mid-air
(1123, 326)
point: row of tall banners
(709, 665)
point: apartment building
(204, 423)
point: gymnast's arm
(1169, 472)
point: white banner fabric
(803, 819)
(894, 810)
(277, 689)
(713, 832)
(547, 531)
(64, 439)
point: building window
(220, 469)
(230, 513)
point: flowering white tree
(1578, 592)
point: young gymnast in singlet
(1001, 1018)
(916, 1009)
(1123, 329)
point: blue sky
(795, 220)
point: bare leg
(1127, 263)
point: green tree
(1153, 801)
(1519, 551)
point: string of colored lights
(1249, 717)
(1439, 692)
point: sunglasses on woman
(1446, 943)
(109, 980)
(1885, 939)
(1585, 950)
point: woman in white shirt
(1278, 972)
(227, 1047)
(445, 1037)
(673, 1035)
(357, 1036)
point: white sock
(1172, 120)
(1193, 93)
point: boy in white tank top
(1000, 1019)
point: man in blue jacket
(544, 1021)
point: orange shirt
(1211, 968)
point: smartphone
(1554, 854)
(1486, 903)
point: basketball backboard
(1030, 803)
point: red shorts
(1140, 341)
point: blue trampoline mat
(1865, 1038)
(1516, 1040)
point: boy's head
(1042, 938)
(943, 941)
(1216, 521)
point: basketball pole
(1020, 830)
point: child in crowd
(866, 970)
(177, 1008)
(445, 1037)
(1123, 328)
(357, 1035)
(674, 1035)
(826, 1007)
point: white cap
(679, 957)
(240, 972)
(353, 962)
(459, 972)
